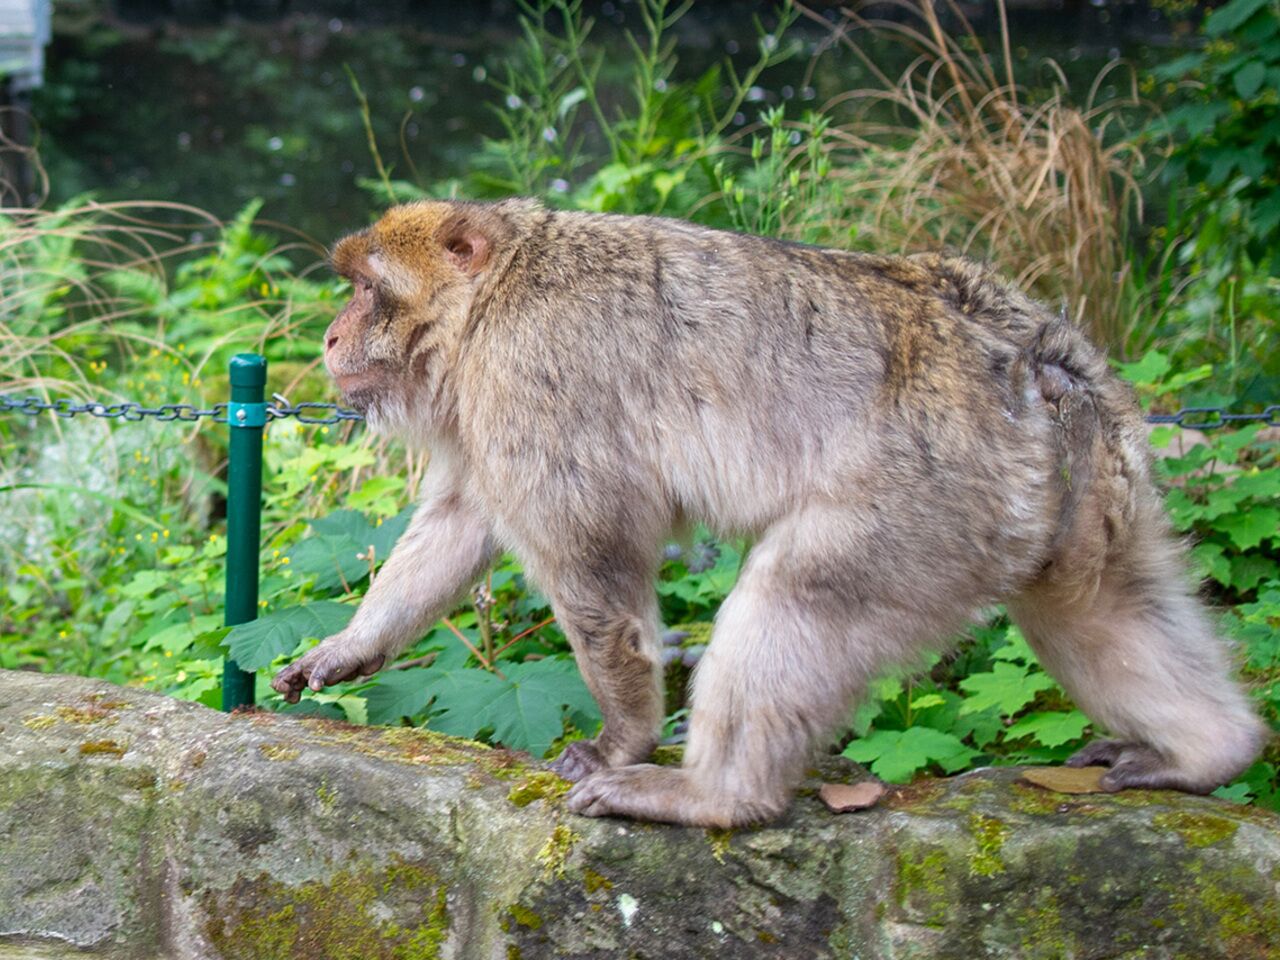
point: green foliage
(1221, 244)
(1231, 123)
(112, 548)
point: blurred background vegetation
(191, 160)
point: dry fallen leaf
(1066, 779)
(844, 797)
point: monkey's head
(414, 275)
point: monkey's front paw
(324, 665)
(580, 759)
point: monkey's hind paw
(1136, 766)
(580, 759)
(1099, 753)
(644, 791)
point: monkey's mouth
(359, 388)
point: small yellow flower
(285, 561)
(166, 534)
(137, 536)
(154, 536)
(62, 634)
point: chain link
(278, 409)
(1211, 418)
(1188, 418)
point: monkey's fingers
(289, 682)
(339, 670)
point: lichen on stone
(524, 916)
(538, 785)
(99, 747)
(989, 836)
(350, 916)
(922, 884)
(719, 840)
(279, 751)
(1197, 829)
(593, 882)
(555, 852)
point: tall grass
(954, 153)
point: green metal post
(246, 416)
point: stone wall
(132, 825)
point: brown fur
(908, 440)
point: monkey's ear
(467, 248)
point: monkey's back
(747, 376)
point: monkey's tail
(1104, 463)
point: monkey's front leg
(444, 549)
(616, 646)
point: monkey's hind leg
(793, 643)
(1136, 651)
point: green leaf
(1016, 650)
(1249, 79)
(525, 711)
(396, 694)
(1051, 728)
(383, 537)
(1007, 687)
(896, 754)
(1249, 528)
(331, 560)
(1212, 562)
(1149, 370)
(1231, 16)
(1251, 569)
(254, 645)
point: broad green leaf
(525, 711)
(144, 584)
(896, 754)
(1007, 687)
(1231, 16)
(1049, 728)
(1212, 562)
(1249, 570)
(1016, 650)
(331, 559)
(254, 645)
(396, 694)
(383, 536)
(351, 523)
(1150, 369)
(1250, 527)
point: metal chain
(278, 409)
(1210, 418)
(1189, 418)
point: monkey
(904, 440)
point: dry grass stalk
(966, 162)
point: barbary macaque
(906, 440)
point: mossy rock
(135, 826)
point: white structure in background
(24, 31)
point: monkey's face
(412, 275)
